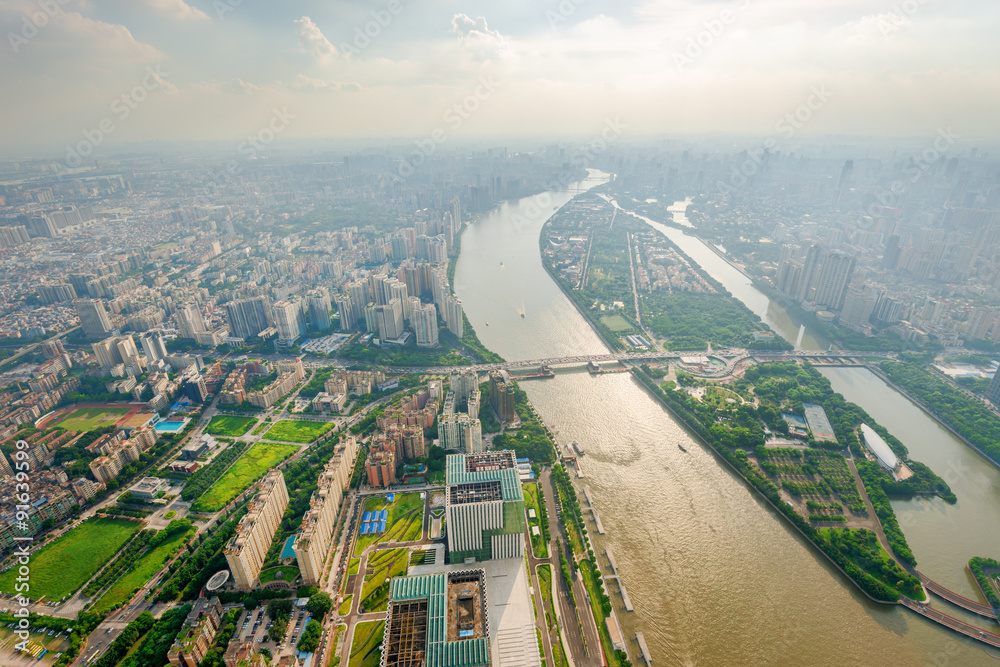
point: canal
(715, 576)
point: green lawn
(367, 642)
(247, 469)
(386, 564)
(345, 606)
(228, 426)
(617, 323)
(260, 429)
(290, 430)
(404, 524)
(91, 419)
(289, 574)
(63, 566)
(531, 501)
(141, 572)
(353, 565)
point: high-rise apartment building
(454, 316)
(248, 317)
(94, 319)
(287, 320)
(461, 431)
(463, 384)
(484, 507)
(425, 325)
(319, 309)
(153, 346)
(389, 319)
(245, 552)
(502, 396)
(314, 538)
(189, 321)
(834, 278)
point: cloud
(475, 35)
(305, 83)
(312, 40)
(176, 9)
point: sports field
(616, 323)
(229, 426)
(247, 469)
(63, 566)
(290, 430)
(91, 419)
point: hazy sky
(538, 67)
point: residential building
(245, 552)
(197, 635)
(425, 325)
(248, 318)
(502, 397)
(94, 319)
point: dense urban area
(247, 421)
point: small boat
(487, 324)
(501, 262)
(681, 447)
(522, 315)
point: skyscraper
(286, 319)
(390, 320)
(809, 271)
(94, 318)
(319, 309)
(248, 317)
(425, 325)
(152, 345)
(189, 320)
(834, 277)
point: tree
(309, 641)
(319, 604)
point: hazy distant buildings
(94, 319)
(319, 309)
(834, 277)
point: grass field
(616, 323)
(66, 564)
(141, 572)
(531, 501)
(288, 574)
(91, 419)
(386, 564)
(247, 469)
(290, 430)
(229, 426)
(404, 524)
(367, 642)
(257, 430)
(345, 606)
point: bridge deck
(956, 599)
(953, 623)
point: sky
(117, 72)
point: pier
(593, 512)
(956, 599)
(617, 578)
(644, 649)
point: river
(715, 576)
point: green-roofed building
(437, 620)
(485, 507)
